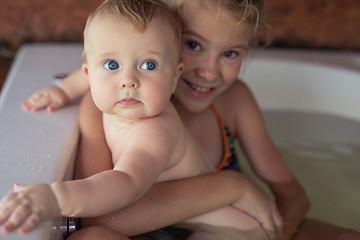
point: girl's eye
(148, 66)
(193, 45)
(231, 54)
(111, 65)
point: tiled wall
(331, 24)
(43, 20)
(315, 23)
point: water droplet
(41, 169)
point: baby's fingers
(37, 101)
(16, 219)
(7, 206)
(12, 213)
(55, 105)
(51, 97)
(31, 222)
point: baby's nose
(129, 81)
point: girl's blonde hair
(139, 13)
(248, 11)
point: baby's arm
(54, 97)
(97, 195)
(29, 205)
(139, 163)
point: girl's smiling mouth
(198, 91)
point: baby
(132, 61)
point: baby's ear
(179, 70)
(85, 69)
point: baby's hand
(52, 98)
(26, 207)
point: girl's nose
(207, 70)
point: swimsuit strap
(224, 138)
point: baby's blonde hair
(139, 13)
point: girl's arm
(54, 97)
(267, 161)
(168, 202)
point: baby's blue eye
(111, 65)
(148, 66)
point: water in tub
(311, 101)
(323, 151)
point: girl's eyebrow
(240, 46)
(205, 40)
(196, 35)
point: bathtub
(311, 104)
(40, 147)
(37, 147)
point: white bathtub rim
(322, 89)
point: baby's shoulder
(168, 119)
(165, 125)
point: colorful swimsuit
(229, 160)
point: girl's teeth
(199, 89)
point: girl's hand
(26, 207)
(293, 204)
(51, 98)
(256, 203)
